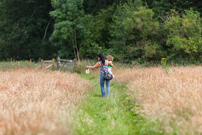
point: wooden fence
(64, 64)
(46, 64)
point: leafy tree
(24, 29)
(144, 30)
(94, 6)
(119, 40)
(185, 34)
(136, 34)
(130, 30)
(71, 25)
(100, 34)
(161, 7)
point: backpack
(108, 76)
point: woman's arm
(92, 67)
(109, 63)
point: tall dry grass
(174, 99)
(38, 101)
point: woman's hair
(109, 57)
(102, 58)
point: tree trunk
(74, 47)
(77, 50)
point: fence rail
(47, 64)
(65, 64)
(62, 64)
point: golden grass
(174, 99)
(38, 101)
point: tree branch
(33, 13)
(46, 30)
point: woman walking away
(102, 62)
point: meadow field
(39, 102)
(143, 100)
(174, 99)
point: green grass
(111, 115)
(12, 64)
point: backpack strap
(103, 69)
(106, 62)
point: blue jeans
(102, 80)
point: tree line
(129, 30)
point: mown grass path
(110, 115)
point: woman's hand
(88, 66)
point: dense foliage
(130, 30)
(25, 27)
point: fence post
(42, 64)
(53, 65)
(58, 63)
(30, 63)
